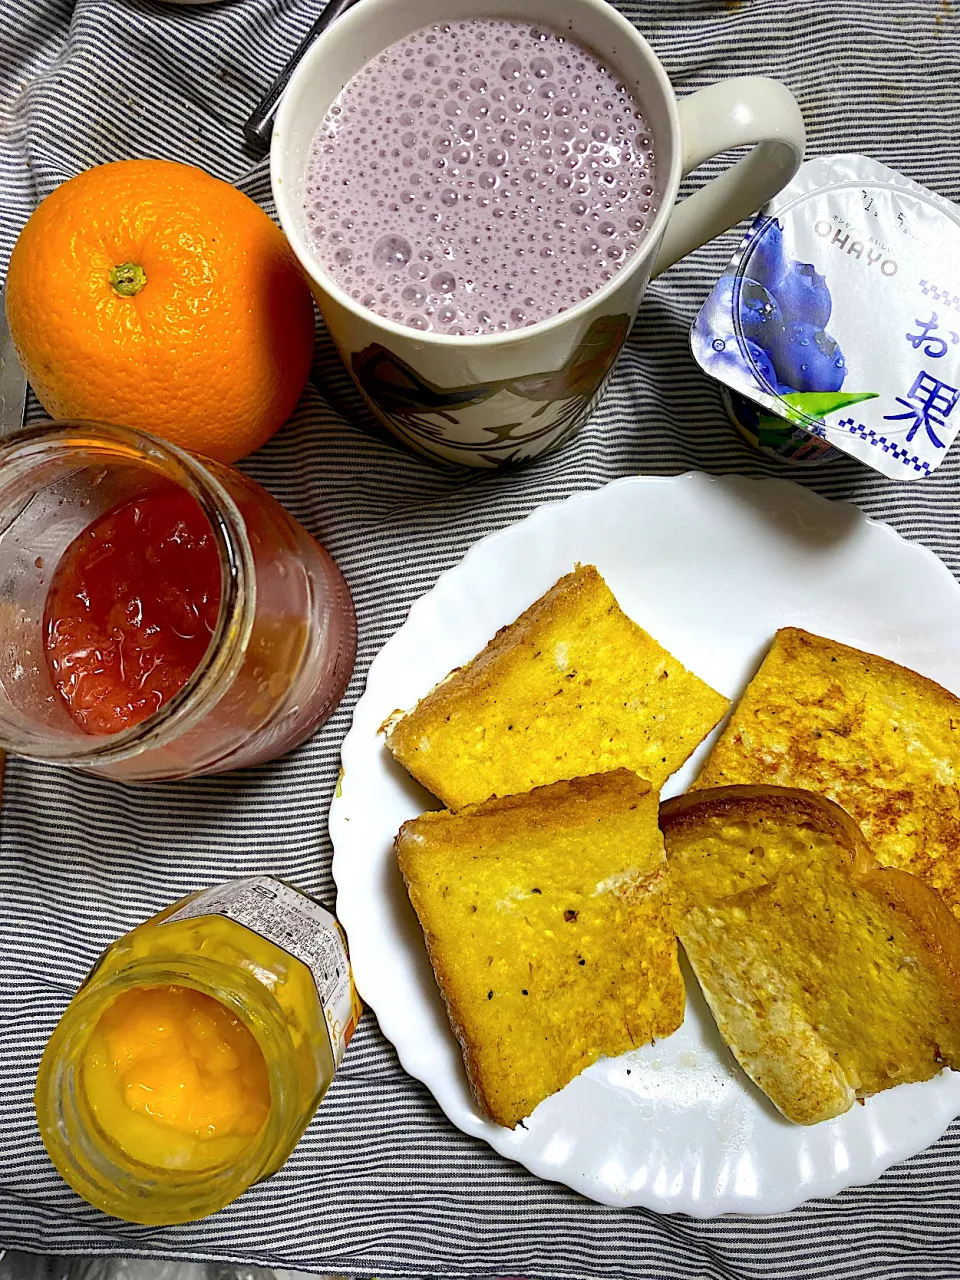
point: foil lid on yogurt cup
(840, 312)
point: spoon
(258, 128)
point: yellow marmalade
(195, 1053)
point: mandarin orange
(150, 294)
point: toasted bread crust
(925, 914)
(764, 906)
(789, 804)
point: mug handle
(730, 114)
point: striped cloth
(381, 1183)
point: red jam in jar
(131, 609)
(164, 615)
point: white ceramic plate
(711, 568)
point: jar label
(298, 925)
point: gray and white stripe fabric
(381, 1184)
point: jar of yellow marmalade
(196, 1051)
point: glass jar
(276, 962)
(284, 643)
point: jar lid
(840, 313)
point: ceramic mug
(485, 400)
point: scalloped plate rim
(475, 1125)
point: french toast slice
(572, 687)
(550, 926)
(829, 977)
(879, 739)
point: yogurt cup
(839, 315)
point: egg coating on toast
(878, 739)
(572, 687)
(829, 977)
(550, 926)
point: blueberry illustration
(762, 366)
(803, 295)
(760, 318)
(808, 359)
(713, 319)
(765, 260)
(725, 360)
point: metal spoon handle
(258, 128)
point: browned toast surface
(572, 687)
(877, 738)
(550, 929)
(829, 977)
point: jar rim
(115, 1185)
(224, 654)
